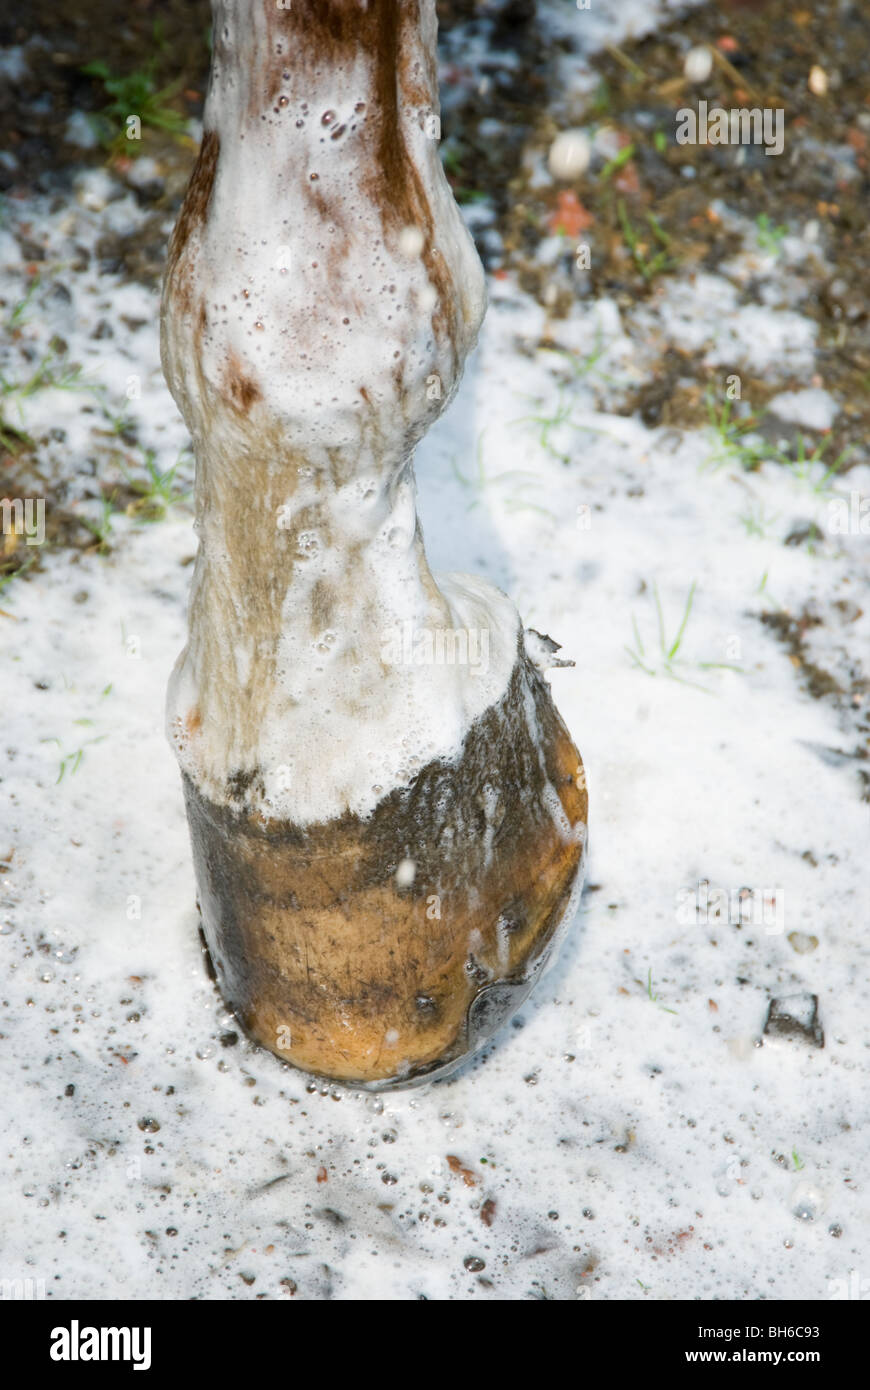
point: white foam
(337, 322)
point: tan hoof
(386, 950)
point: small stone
(795, 1016)
(817, 81)
(569, 155)
(698, 64)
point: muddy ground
(767, 50)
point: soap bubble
(410, 242)
(808, 1202)
(406, 873)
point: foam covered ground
(634, 1133)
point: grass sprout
(667, 658)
